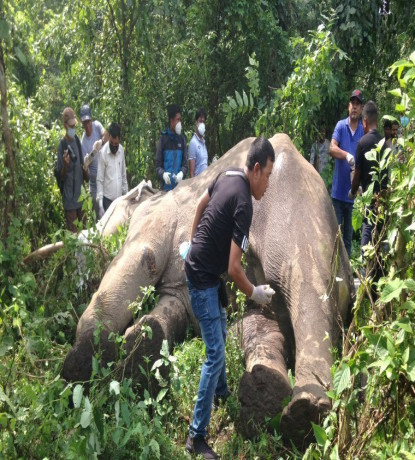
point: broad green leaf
(232, 102)
(85, 418)
(395, 92)
(411, 365)
(4, 29)
(410, 284)
(154, 446)
(161, 394)
(239, 99)
(20, 55)
(371, 155)
(320, 434)
(115, 387)
(341, 379)
(392, 290)
(77, 395)
(246, 103)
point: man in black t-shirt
(367, 172)
(220, 233)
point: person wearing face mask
(346, 135)
(198, 156)
(112, 174)
(93, 138)
(171, 153)
(69, 171)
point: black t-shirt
(227, 217)
(365, 144)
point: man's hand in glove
(350, 159)
(262, 294)
(166, 178)
(179, 177)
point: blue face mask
(71, 132)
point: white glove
(262, 294)
(166, 178)
(179, 176)
(101, 210)
(97, 146)
(350, 159)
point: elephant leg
(264, 385)
(168, 321)
(136, 265)
(312, 373)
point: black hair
(114, 130)
(172, 111)
(395, 122)
(260, 151)
(387, 124)
(370, 112)
(200, 113)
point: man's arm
(192, 166)
(184, 158)
(236, 271)
(356, 181)
(336, 151)
(124, 185)
(159, 160)
(100, 178)
(201, 206)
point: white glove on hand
(350, 160)
(179, 177)
(166, 178)
(262, 294)
(97, 146)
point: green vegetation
(257, 67)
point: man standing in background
(93, 137)
(112, 174)
(320, 155)
(198, 155)
(171, 153)
(347, 134)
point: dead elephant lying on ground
(294, 247)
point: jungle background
(258, 67)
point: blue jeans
(212, 320)
(344, 211)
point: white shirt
(112, 175)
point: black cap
(86, 113)
(358, 94)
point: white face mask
(71, 132)
(201, 127)
(178, 128)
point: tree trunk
(9, 195)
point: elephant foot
(261, 393)
(296, 418)
(143, 349)
(77, 366)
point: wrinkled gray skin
(293, 242)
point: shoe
(217, 399)
(199, 446)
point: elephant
(294, 246)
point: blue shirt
(198, 152)
(348, 142)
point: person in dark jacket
(367, 173)
(171, 154)
(69, 170)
